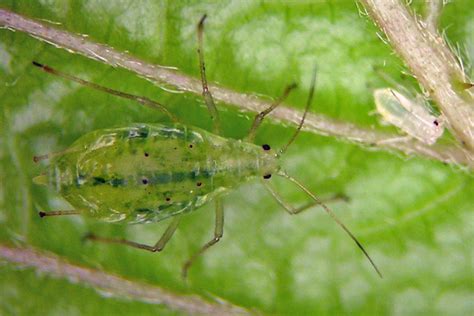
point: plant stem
(57, 267)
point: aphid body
(146, 173)
(411, 116)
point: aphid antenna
(308, 104)
(142, 100)
(333, 216)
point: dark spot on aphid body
(146, 154)
(198, 184)
(143, 132)
(267, 176)
(435, 122)
(266, 147)
(145, 181)
(98, 181)
(168, 199)
(190, 145)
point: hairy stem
(433, 12)
(431, 62)
(318, 124)
(57, 267)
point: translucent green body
(146, 173)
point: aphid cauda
(150, 172)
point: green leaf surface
(414, 216)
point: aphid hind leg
(38, 158)
(58, 213)
(211, 106)
(260, 116)
(142, 100)
(159, 246)
(218, 233)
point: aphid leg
(260, 116)
(218, 233)
(142, 100)
(211, 106)
(156, 248)
(38, 158)
(401, 139)
(58, 213)
(333, 216)
(293, 211)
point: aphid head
(269, 162)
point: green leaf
(413, 215)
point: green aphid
(149, 172)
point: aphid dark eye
(199, 184)
(168, 199)
(146, 154)
(435, 122)
(266, 147)
(190, 145)
(145, 181)
(267, 176)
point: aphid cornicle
(149, 172)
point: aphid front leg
(205, 88)
(218, 233)
(142, 100)
(260, 116)
(159, 246)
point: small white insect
(411, 116)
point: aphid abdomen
(146, 173)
